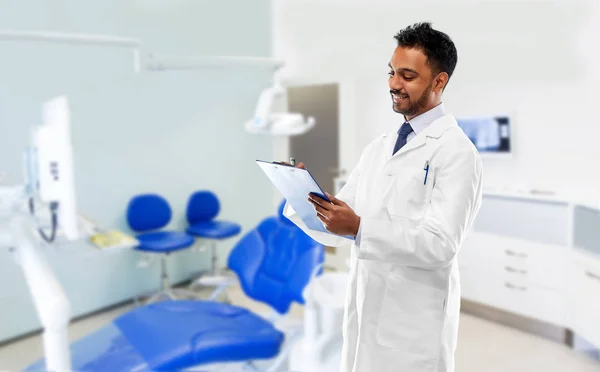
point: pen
(426, 169)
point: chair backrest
(275, 261)
(202, 206)
(148, 212)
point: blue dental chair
(147, 215)
(273, 262)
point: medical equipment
(320, 348)
(76, 39)
(490, 134)
(274, 262)
(270, 118)
(49, 176)
(142, 61)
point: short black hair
(437, 46)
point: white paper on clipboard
(295, 185)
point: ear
(440, 82)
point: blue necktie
(403, 133)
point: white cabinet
(516, 275)
(584, 296)
(536, 258)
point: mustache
(397, 92)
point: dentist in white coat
(410, 202)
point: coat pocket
(411, 316)
(410, 193)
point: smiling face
(415, 88)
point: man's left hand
(337, 216)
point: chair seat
(178, 334)
(106, 349)
(214, 229)
(174, 335)
(164, 241)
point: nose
(395, 83)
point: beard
(415, 107)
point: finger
(320, 209)
(325, 222)
(319, 200)
(301, 165)
(335, 200)
(323, 219)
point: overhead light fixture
(270, 116)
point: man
(409, 202)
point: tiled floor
(483, 346)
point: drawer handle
(592, 275)
(512, 286)
(513, 270)
(516, 254)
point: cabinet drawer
(584, 314)
(515, 259)
(536, 263)
(524, 299)
(533, 301)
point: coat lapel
(434, 130)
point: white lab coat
(403, 297)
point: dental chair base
(321, 346)
(324, 356)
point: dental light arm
(49, 178)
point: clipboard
(295, 185)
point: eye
(391, 73)
(408, 78)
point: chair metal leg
(213, 248)
(163, 273)
(165, 287)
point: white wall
(168, 132)
(535, 60)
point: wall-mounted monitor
(490, 134)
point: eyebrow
(403, 69)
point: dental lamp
(269, 118)
(48, 180)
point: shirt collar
(421, 122)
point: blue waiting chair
(147, 214)
(202, 210)
(273, 262)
